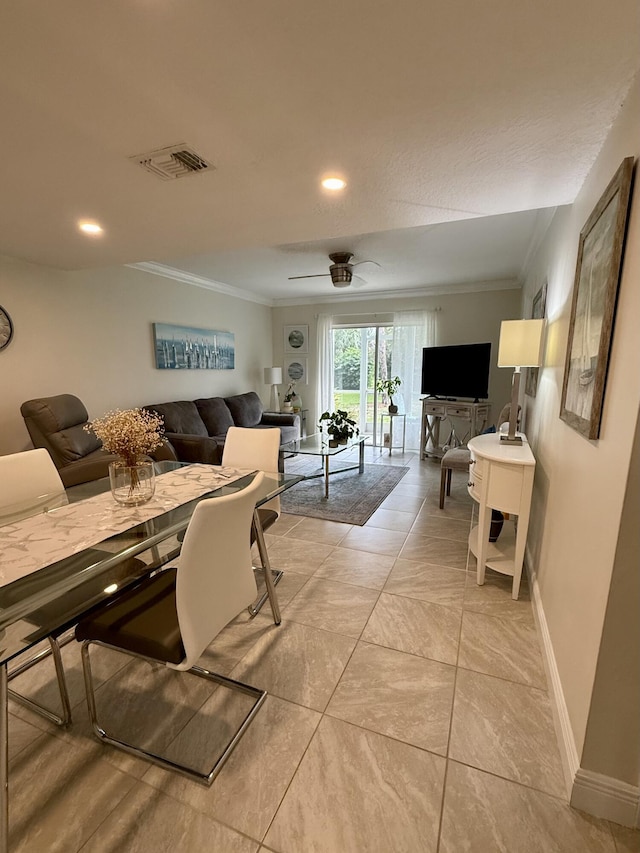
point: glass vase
(132, 485)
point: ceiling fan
(341, 270)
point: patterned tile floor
(407, 711)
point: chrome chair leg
(268, 574)
(203, 778)
(63, 719)
(257, 605)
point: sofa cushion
(181, 417)
(246, 409)
(215, 415)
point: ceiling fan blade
(356, 281)
(318, 275)
(358, 263)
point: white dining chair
(30, 482)
(257, 449)
(173, 616)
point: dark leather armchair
(57, 424)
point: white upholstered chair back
(215, 578)
(255, 449)
(27, 480)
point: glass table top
(52, 597)
(318, 445)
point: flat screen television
(456, 371)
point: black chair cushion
(143, 620)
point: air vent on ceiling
(177, 161)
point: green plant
(389, 386)
(340, 426)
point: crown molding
(201, 281)
(434, 290)
(352, 296)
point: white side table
(500, 477)
(392, 417)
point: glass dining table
(62, 554)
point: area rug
(353, 497)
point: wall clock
(6, 328)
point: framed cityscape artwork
(296, 339)
(595, 293)
(186, 348)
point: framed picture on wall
(295, 370)
(595, 292)
(187, 348)
(296, 339)
(537, 313)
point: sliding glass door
(361, 355)
(364, 353)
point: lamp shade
(273, 376)
(520, 343)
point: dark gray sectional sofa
(197, 428)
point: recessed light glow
(91, 228)
(111, 588)
(334, 184)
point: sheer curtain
(324, 382)
(412, 330)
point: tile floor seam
(194, 808)
(393, 738)
(543, 690)
(446, 769)
(564, 800)
(431, 565)
(410, 654)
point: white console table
(435, 411)
(500, 477)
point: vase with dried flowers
(131, 434)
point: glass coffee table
(318, 445)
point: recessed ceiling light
(91, 228)
(334, 184)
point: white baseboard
(564, 730)
(605, 797)
(590, 792)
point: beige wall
(580, 485)
(463, 318)
(90, 334)
(612, 741)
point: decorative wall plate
(6, 328)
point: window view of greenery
(353, 371)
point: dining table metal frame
(22, 598)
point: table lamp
(520, 346)
(273, 377)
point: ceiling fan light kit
(341, 271)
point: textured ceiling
(433, 112)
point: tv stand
(435, 411)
